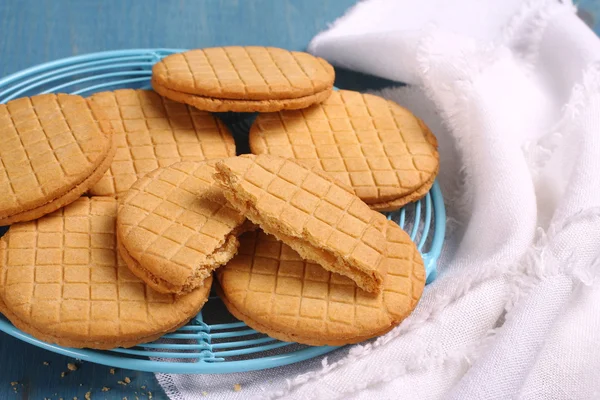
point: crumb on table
(237, 387)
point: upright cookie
(386, 154)
(309, 211)
(244, 79)
(153, 132)
(52, 149)
(175, 227)
(62, 281)
(273, 290)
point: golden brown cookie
(244, 79)
(309, 211)
(386, 154)
(62, 281)
(175, 227)
(2, 307)
(227, 105)
(273, 290)
(52, 149)
(153, 132)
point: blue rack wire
(212, 342)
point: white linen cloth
(512, 91)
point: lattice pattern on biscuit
(367, 142)
(62, 274)
(250, 73)
(167, 225)
(312, 206)
(153, 132)
(272, 285)
(47, 142)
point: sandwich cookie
(53, 148)
(153, 132)
(175, 227)
(311, 212)
(63, 282)
(386, 154)
(244, 79)
(273, 290)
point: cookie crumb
(237, 387)
(149, 395)
(126, 381)
(46, 363)
(71, 367)
(74, 398)
(88, 396)
(112, 371)
(105, 389)
(204, 394)
(62, 374)
(143, 387)
(14, 383)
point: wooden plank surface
(36, 31)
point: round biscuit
(175, 227)
(151, 132)
(273, 290)
(227, 105)
(386, 154)
(53, 147)
(62, 281)
(244, 73)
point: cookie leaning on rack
(311, 212)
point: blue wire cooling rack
(214, 341)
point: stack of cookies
(125, 204)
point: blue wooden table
(35, 31)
